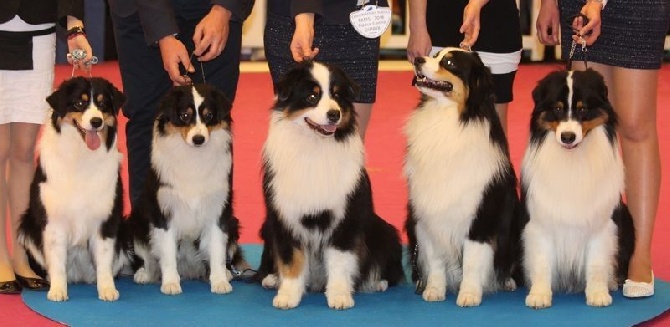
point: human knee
(637, 130)
(22, 154)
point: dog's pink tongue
(92, 140)
(329, 128)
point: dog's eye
(80, 105)
(185, 116)
(582, 110)
(207, 116)
(558, 109)
(312, 99)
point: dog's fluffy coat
(71, 227)
(462, 225)
(321, 231)
(183, 226)
(579, 234)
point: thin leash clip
(77, 56)
(202, 70)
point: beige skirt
(23, 93)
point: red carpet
(385, 146)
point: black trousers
(145, 81)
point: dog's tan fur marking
(293, 269)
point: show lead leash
(77, 56)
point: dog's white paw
(433, 294)
(340, 301)
(468, 299)
(171, 288)
(382, 286)
(509, 285)
(229, 275)
(142, 276)
(221, 287)
(108, 294)
(57, 294)
(283, 301)
(538, 300)
(270, 281)
(598, 299)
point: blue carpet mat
(251, 305)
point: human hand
(80, 42)
(174, 53)
(303, 38)
(548, 23)
(419, 45)
(471, 23)
(590, 31)
(211, 33)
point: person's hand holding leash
(303, 38)
(471, 23)
(173, 53)
(548, 23)
(211, 34)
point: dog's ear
(118, 98)
(224, 106)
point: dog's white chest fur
(80, 183)
(578, 187)
(194, 179)
(448, 164)
(310, 173)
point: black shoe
(33, 284)
(10, 287)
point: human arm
(70, 16)
(304, 12)
(419, 43)
(471, 22)
(548, 23)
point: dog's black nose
(96, 122)
(198, 140)
(333, 115)
(568, 137)
(418, 61)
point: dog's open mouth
(421, 80)
(323, 129)
(91, 138)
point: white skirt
(23, 93)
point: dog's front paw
(509, 285)
(57, 294)
(283, 301)
(538, 300)
(382, 286)
(467, 299)
(270, 281)
(221, 287)
(142, 276)
(598, 299)
(108, 294)
(340, 301)
(171, 288)
(433, 294)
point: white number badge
(371, 21)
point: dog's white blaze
(571, 195)
(200, 128)
(315, 173)
(198, 187)
(569, 82)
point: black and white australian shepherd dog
(579, 234)
(321, 232)
(71, 226)
(183, 225)
(462, 223)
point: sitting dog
(579, 235)
(71, 226)
(183, 225)
(462, 225)
(321, 231)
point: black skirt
(632, 33)
(338, 45)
